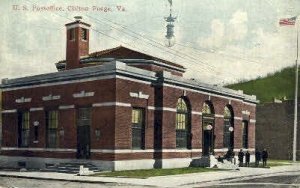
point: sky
(218, 41)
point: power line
(216, 75)
(176, 51)
(161, 46)
(235, 57)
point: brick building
(120, 109)
(275, 129)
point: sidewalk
(162, 181)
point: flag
(170, 1)
(287, 21)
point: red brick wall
(238, 133)
(123, 128)
(104, 92)
(114, 123)
(38, 116)
(76, 48)
(219, 132)
(196, 128)
(123, 114)
(103, 119)
(67, 121)
(10, 130)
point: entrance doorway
(208, 138)
(228, 137)
(83, 133)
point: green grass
(155, 172)
(272, 163)
(279, 161)
(279, 85)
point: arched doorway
(208, 121)
(228, 137)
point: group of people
(241, 155)
(261, 156)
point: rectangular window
(52, 132)
(181, 130)
(138, 129)
(84, 116)
(71, 34)
(24, 129)
(83, 34)
(245, 134)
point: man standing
(264, 156)
(229, 155)
(247, 156)
(241, 157)
(257, 158)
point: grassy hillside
(280, 84)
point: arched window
(228, 139)
(182, 124)
(227, 112)
(206, 108)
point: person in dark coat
(264, 156)
(233, 157)
(229, 155)
(241, 157)
(247, 158)
(257, 157)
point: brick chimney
(77, 42)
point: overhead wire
(135, 33)
(176, 54)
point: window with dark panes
(24, 129)
(228, 123)
(72, 34)
(84, 117)
(138, 128)
(83, 34)
(182, 124)
(52, 131)
(245, 134)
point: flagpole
(296, 99)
